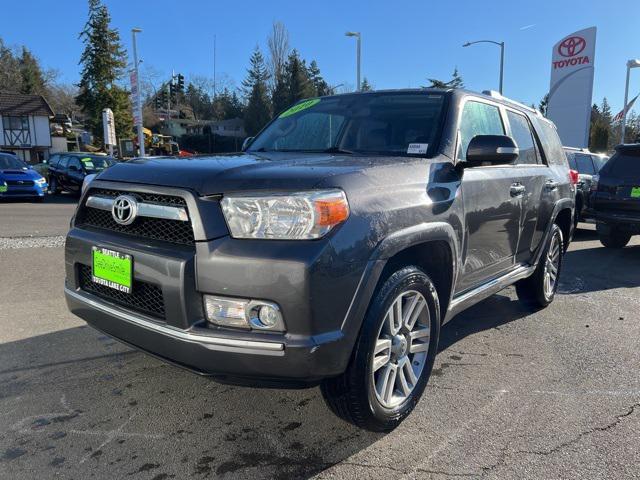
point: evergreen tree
(33, 81)
(366, 86)
(319, 83)
(299, 85)
(455, 82)
(258, 111)
(103, 61)
(544, 103)
(10, 78)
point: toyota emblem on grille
(124, 210)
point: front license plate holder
(112, 269)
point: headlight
(41, 181)
(294, 216)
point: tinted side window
(73, 161)
(551, 144)
(572, 160)
(584, 164)
(53, 161)
(521, 132)
(478, 119)
(64, 161)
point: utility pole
(138, 105)
(214, 67)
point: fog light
(254, 314)
(226, 312)
(265, 316)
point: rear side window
(551, 144)
(572, 160)
(478, 119)
(521, 132)
(63, 162)
(584, 164)
(624, 166)
(53, 161)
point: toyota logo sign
(572, 46)
(124, 210)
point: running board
(465, 300)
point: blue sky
(404, 42)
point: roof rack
(498, 95)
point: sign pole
(138, 109)
(624, 105)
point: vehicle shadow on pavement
(599, 269)
(491, 313)
(76, 403)
(584, 235)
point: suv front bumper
(314, 347)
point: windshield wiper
(336, 149)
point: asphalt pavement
(515, 393)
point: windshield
(96, 164)
(386, 124)
(11, 162)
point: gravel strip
(31, 242)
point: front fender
(387, 248)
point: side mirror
(491, 150)
(246, 143)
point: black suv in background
(66, 171)
(587, 165)
(615, 201)
(333, 248)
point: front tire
(393, 356)
(540, 288)
(612, 237)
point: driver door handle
(517, 189)
(550, 185)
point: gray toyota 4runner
(333, 249)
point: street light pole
(630, 64)
(138, 106)
(501, 45)
(358, 36)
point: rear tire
(393, 356)
(612, 237)
(540, 288)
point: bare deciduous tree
(278, 44)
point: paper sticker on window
(3, 187)
(88, 163)
(635, 192)
(299, 107)
(418, 148)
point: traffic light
(157, 102)
(163, 98)
(180, 83)
(173, 90)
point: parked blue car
(17, 179)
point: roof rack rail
(494, 94)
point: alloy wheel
(401, 348)
(552, 266)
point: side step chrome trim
(144, 209)
(208, 341)
(465, 300)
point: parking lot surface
(515, 393)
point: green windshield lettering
(299, 107)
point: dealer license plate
(112, 269)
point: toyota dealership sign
(571, 86)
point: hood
(223, 173)
(19, 174)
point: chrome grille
(168, 230)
